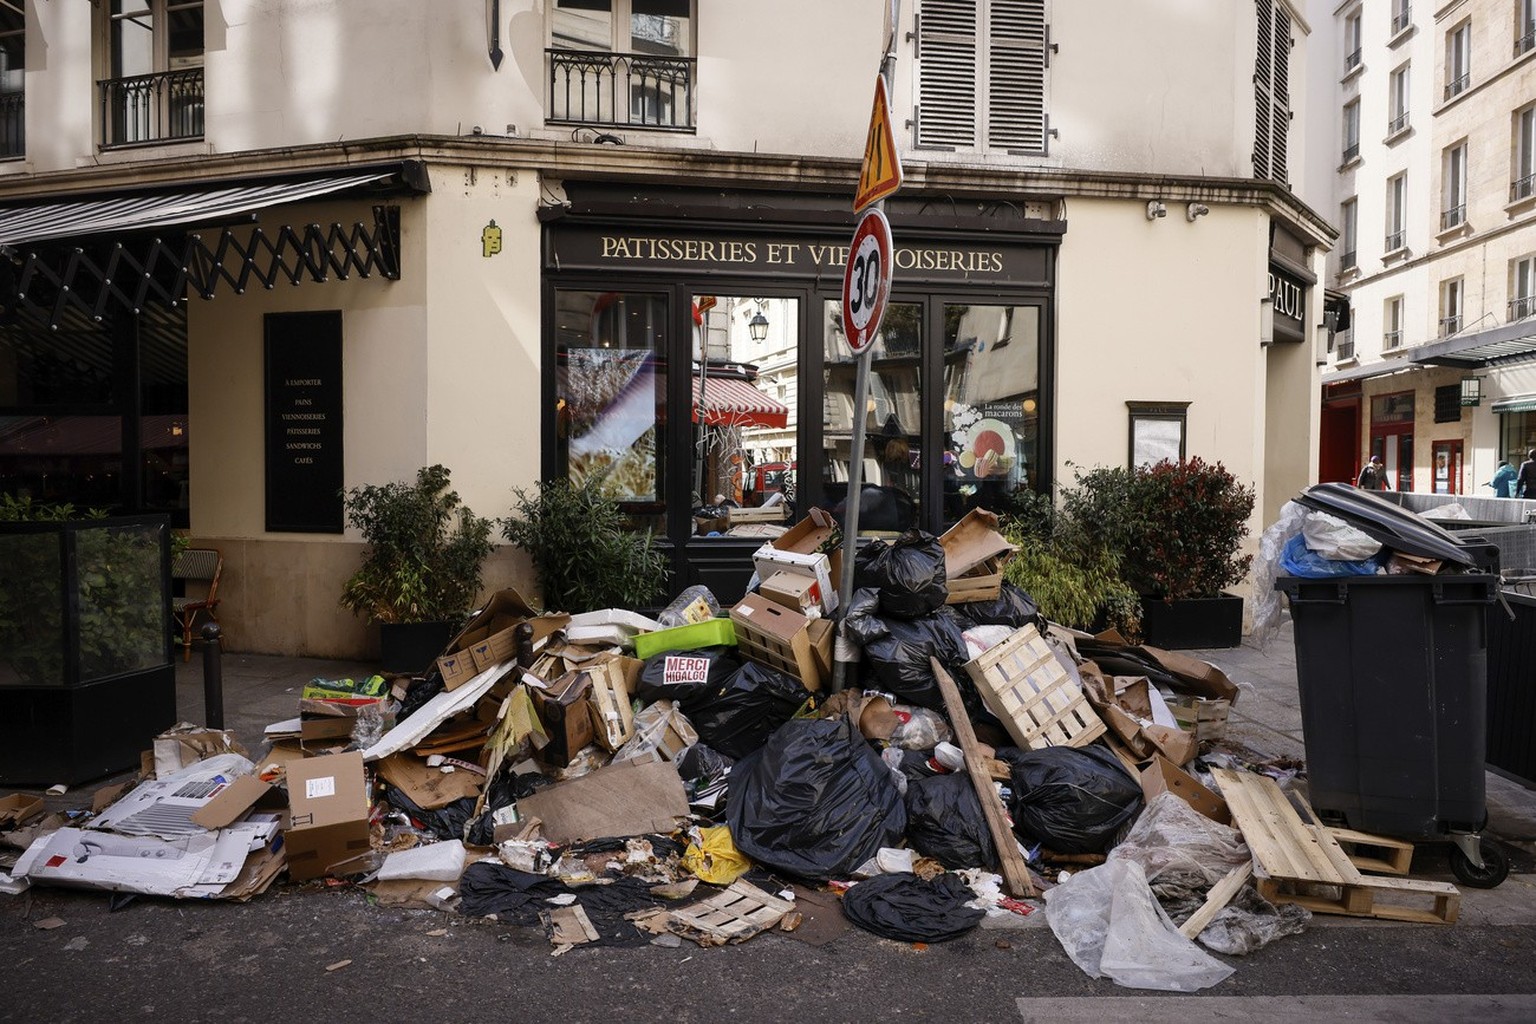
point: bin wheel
(1494, 870)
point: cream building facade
(445, 235)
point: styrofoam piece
(434, 862)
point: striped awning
(89, 217)
(729, 402)
(1515, 403)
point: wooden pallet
(1374, 854)
(1026, 686)
(1305, 864)
(735, 915)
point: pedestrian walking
(1525, 480)
(1503, 482)
(1373, 477)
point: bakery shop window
(991, 406)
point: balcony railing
(1449, 325)
(1521, 306)
(1453, 217)
(1352, 60)
(621, 90)
(13, 125)
(1351, 151)
(152, 108)
(1391, 339)
(1527, 40)
(1522, 188)
(1401, 19)
(1397, 124)
(1343, 348)
(1458, 85)
(1347, 259)
(1395, 240)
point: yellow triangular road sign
(881, 174)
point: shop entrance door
(1446, 459)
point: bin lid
(1393, 525)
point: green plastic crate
(712, 633)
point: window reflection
(991, 405)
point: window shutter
(1263, 84)
(947, 70)
(1280, 123)
(1016, 48)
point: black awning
(1495, 346)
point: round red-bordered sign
(867, 280)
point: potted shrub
(421, 574)
(1177, 528)
(585, 554)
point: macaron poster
(985, 447)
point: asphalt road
(266, 961)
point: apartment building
(258, 251)
(1434, 195)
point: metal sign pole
(860, 400)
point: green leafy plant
(425, 550)
(583, 550)
(1073, 577)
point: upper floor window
(1392, 322)
(1450, 306)
(1348, 231)
(980, 75)
(622, 63)
(13, 70)
(1272, 91)
(1458, 59)
(1397, 102)
(1523, 181)
(1453, 201)
(1525, 27)
(1351, 40)
(1522, 288)
(1402, 16)
(1397, 213)
(1351, 130)
(153, 91)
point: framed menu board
(303, 422)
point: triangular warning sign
(881, 174)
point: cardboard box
(823, 637)
(773, 635)
(328, 813)
(1205, 718)
(1178, 746)
(794, 591)
(489, 638)
(562, 709)
(1162, 775)
(798, 550)
(18, 808)
(975, 553)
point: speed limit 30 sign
(867, 280)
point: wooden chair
(200, 567)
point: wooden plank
(1283, 847)
(1216, 900)
(1370, 897)
(1014, 870)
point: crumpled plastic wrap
(1333, 538)
(1172, 838)
(1250, 922)
(1266, 599)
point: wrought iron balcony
(621, 90)
(1402, 19)
(1347, 259)
(1449, 325)
(1351, 151)
(1527, 40)
(13, 125)
(1522, 188)
(1395, 241)
(1520, 307)
(163, 107)
(1456, 215)
(1343, 348)
(1352, 60)
(1397, 124)
(1391, 339)
(1458, 85)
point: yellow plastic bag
(717, 861)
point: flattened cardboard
(1198, 677)
(972, 541)
(620, 800)
(18, 809)
(233, 801)
(328, 813)
(430, 788)
(1162, 775)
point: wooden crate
(778, 637)
(1027, 687)
(1204, 717)
(983, 583)
(735, 915)
(772, 514)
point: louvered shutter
(1016, 75)
(947, 74)
(1263, 101)
(1280, 117)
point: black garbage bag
(908, 573)
(653, 684)
(446, 822)
(506, 787)
(945, 822)
(896, 650)
(706, 778)
(1073, 800)
(903, 907)
(815, 800)
(1013, 608)
(418, 693)
(738, 716)
(517, 897)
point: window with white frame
(1397, 213)
(1272, 92)
(1525, 27)
(1397, 102)
(980, 75)
(622, 63)
(1351, 130)
(13, 77)
(1402, 16)
(1392, 323)
(1523, 181)
(1522, 288)
(1352, 40)
(1458, 59)
(154, 62)
(1450, 306)
(1348, 227)
(1453, 198)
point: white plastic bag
(1336, 540)
(1266, 599)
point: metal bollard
(213, 677)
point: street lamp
(758, 326)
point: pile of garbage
(618, 780)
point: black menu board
(303, 413)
